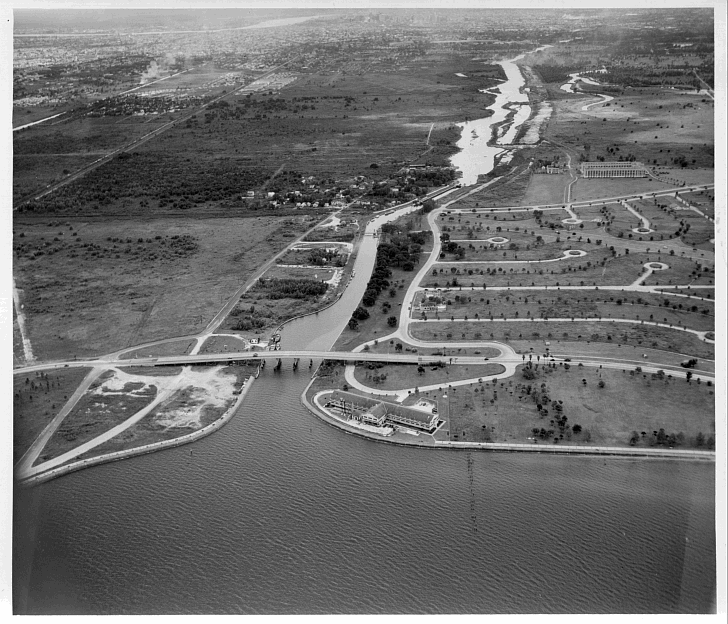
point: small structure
(617, 169)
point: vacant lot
(33, 172)
(186, 411)
(507, 411)
(107, 403)
(636, 334)
(88, 294)
(37, 398)
(403, 376)
(177, 347)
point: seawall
(496, 447)
(141, 450)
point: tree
(360, 314)
(353, 323)
(392, 321)
(576, 429)
(688, 376)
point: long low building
(380, 413)
(618, 169)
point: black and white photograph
(369, 308)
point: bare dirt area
(89, 291)
(37, 398)
(202, 397)
(586, 406)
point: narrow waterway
(476, 157)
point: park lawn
(690, 176)
(574, 303)
(95, 414)
(405, 376)
(630, 355)
(504, 412)
(37, 401)
(637, 334)
(521, 248)
(387, 346)
(176, 347)
(546, 189)
(682, 271)
(81, 299)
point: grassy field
(507, 412)
(222, 344)
(656, 126)
(598, 268)
(36, 401)
(694, 314)
(638, 334)
(178, 347)
(587, 189)
(546, 189)
(85, 294)
(402, 376)
(95, 413)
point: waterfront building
(380, 413)
(619, 169)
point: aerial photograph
(477, 249)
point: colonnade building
(620, 169)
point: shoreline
(495, 447)
(141, 450)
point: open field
(33, 172)
(399, 377)
(36, 401)
(655, 126)
(86, 294)
(507, 411)
(587, 189)
(110, 400)
(694, 314)
(178, 347)
(319, 273)
(546, 189)
(221, 344)
(637, 334)
(188, 410)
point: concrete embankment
(430, 443)
(142, 450)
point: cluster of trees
(174, 181)
(661, 438)
(325, 257)
(290, 288)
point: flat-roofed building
(618, 169)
